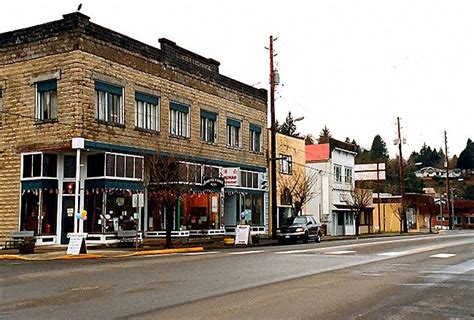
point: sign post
(138, 201)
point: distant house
(431, 172)
(462, 214)
(332, 203)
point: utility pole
(448, 202)
(403, 217)
(273, 185)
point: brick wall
(79, 61)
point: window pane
(120, 170)
(110, 165)
(50, 162)
(243, 178)
(129, 167)
(138, 168)
(70, 166)
(36, 165)
(27, 161)
(255, 180)
(95, 165)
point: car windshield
(295, 220)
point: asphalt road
(413, 277)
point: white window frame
(46, 102)
(147, 115)
(286, 164)
(124, 167)
(105, 108)
(41, 175)
(348, 175)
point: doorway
(67, 224)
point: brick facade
(76, 53)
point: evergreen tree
(309, 139)
(442, 159)
(466, 157)
(325, 135)
(378, 151)
(469, 192)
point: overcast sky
(351, 65)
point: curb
(99, 256)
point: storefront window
(118, 214)
(155, 215)
(119, 211)
(95, 218)
(38, 211)
(200, 211)
(252, 204)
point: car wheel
(305, 237)
(317, 239)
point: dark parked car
(299, 228)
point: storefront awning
(235, 190)
(344, 207)
(113, 184)
(39, 184)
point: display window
(109, 211)
(252, 205)
(200, 211)
(39, 211)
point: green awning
(39, 184)
(113, 184)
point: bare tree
(400, 210)
(166, 178)
(360, 198)
(297, 189)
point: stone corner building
(80, 108)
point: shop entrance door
(67, 218)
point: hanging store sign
(231, 176)
(213, 182)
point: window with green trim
(255, 138)
(233, 133)
(179, 119)
(109, 103)
(208, 126)
(46, 101)
(147, 113)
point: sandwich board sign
(77, 243)
(242, 234)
